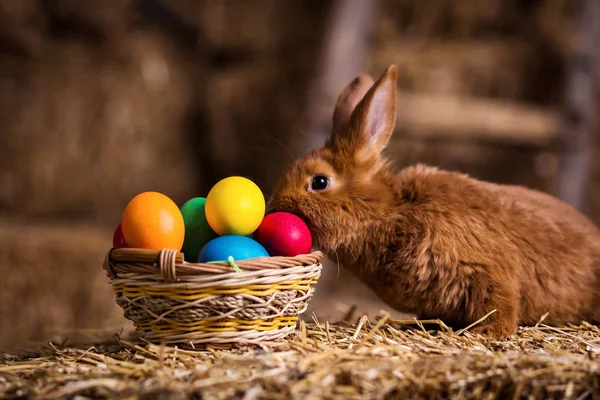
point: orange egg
(153, 221)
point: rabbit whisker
(291, 155)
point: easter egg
(153, 221)
(238, 247)
(118, 239)
(235, 206)
(284, 234)
(197, 230)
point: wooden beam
(579, 122)
(480, 118)
(344, 53)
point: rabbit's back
(543, 247)
(568, 244)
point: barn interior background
(102, 100)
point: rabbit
(435, 243)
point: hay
(370, 359)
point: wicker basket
(214, 304)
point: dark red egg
(284, 234)
(118, 238)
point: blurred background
(101, 100)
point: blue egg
(238, 247)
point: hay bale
(87, 123)
(53, 284)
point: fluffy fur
(435, 243)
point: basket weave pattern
(174, 302)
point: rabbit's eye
(319, 182)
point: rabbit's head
(340, 187)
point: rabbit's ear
(374, 118)
(347, 101)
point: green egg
(197, 230)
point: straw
(369, 359)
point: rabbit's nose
(281, 204)
(270, 206)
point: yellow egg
(235, 206)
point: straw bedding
(370, 359)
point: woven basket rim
(170, 263)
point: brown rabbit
(435, 243)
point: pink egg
(284, 234)
(118, 238)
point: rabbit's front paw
(500, 330)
